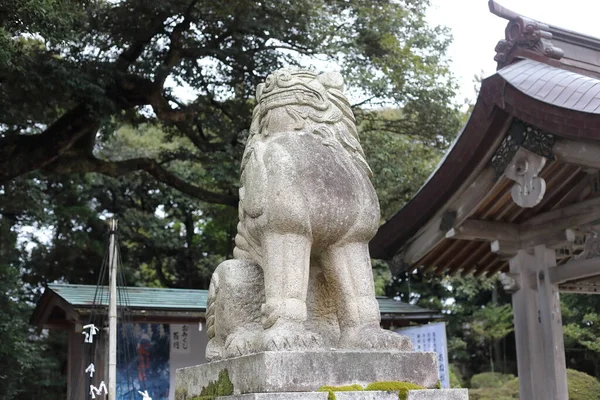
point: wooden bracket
(524, 168)
(509, 283)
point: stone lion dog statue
(301, 277)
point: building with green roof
(147, 316)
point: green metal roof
(134, 297)
(186, 299)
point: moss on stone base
(401, 387)
(181, 394)
(332, 389)
(221, 387)
(393, 386)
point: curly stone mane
(316, 102)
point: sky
(476, 31)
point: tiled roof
(552, 85)
(82, 296)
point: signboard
(431, 337)
(180, 339)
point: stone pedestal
(295, 375)
(430, 394)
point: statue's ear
(259, 91)
(333, 80)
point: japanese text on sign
(180, 339)
(431, 337)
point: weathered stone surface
(302, 277)
(305, 371)
(374, 395)
(278, 396)
(442, 394)
(447, 394)
(370, 395)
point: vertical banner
(180, 339)
(143, 361)
(431, 337)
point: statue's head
(301, 100)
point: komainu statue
(301, 277)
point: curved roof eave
(501, 98)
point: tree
(581, 328)
(140, 109)
(23, 353)
(492, 323)
(108, 63)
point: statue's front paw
(241, 343)
(288, 337)
(372, 337)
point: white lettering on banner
(431, 337)
(180, 339)
(97, 391)
(89, 336)
(91, 369)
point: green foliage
(456, 378)
(581, 386)
(490, 380)
(24, 352)
(400, 163)
(493, 321)
(493, 394)
(191, 68)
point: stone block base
(430, 394)
(306, 371)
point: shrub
(456, 378)
(493, 394)
(490, 380)
(581, 387)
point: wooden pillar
(76, 388)
(550, 318)
(538, 327)
(527, 329)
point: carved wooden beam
(578, 153)
(484, 230)
(505, 249)
(584, 213)
(509, 248)
(468, 200)
(577, 269)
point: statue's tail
(213, 350)
(246, 248)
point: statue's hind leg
(348, 268)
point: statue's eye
(285, 76)
(269, 82)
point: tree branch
(158, 267)
(118, 168)
(130, 54)
(174, 54)
(24, 153)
